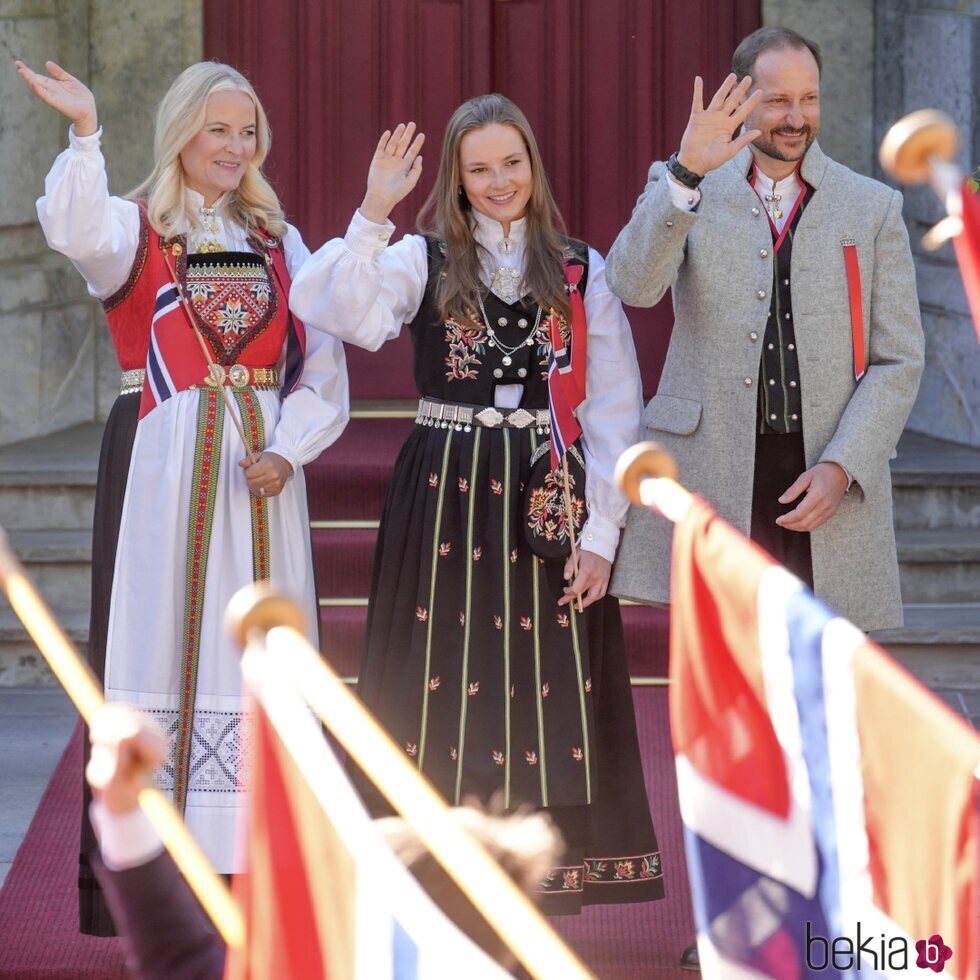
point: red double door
(606, 85)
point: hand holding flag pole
(86, 693)
(214, 372)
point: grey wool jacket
(716, 262)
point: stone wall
(845, 31)
(928, 56)
(57, 367)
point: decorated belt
(131, 382)
(463, 417)
(238, 376)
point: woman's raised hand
(395, 170)
(65, 93)
(712, 137)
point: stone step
(939, 565)
(21, 664)
(944, 623)
(57, 505)
(939, 644)
(936, 484)
(49, 483)
(58, 562)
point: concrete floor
(35, 724)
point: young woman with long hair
(477, 659)
(194, 266)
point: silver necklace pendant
(506, 350)
(506, 246)
(506, 283)
(209, 220)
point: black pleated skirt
(491, 688)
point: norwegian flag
(566, 370)
(825, 794)
(967, 245)
(324, 896)
(174, 360)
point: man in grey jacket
(797, 348)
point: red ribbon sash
(849, 247)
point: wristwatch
(681, 174)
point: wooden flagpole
(647, 474)
(258, 615)
(80, 684)
(571, 525)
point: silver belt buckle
(490, 417)
(238, 375)
(521, 418)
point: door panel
(606, 87)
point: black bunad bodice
(780, 397)
(456, 361)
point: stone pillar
(844, 29)
(928, 56)
(58, 368)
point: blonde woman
(186, 514)
(477, 659)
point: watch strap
(681, 174)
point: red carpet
(39, 937)
(38, 904)
(630, 942)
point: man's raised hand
(711, 137)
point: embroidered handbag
(546, 517)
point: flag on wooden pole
(324, 896)
(829, 800)
(967, 245)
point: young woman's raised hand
(65, 93)
(395, 170)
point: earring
(459, 191)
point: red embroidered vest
(244, 318)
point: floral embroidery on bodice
(233, 298)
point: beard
(772, 150)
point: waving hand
(711, 136)
(65, 93)
(395, 170)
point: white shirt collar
(489, 233)
(784, 187)
(196, 200)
